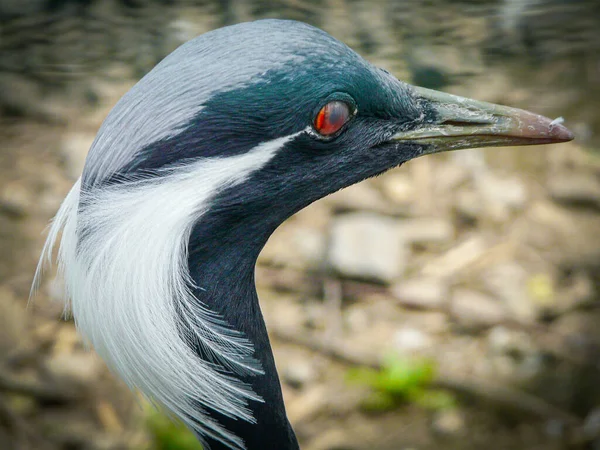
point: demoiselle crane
(189, 175)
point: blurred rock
(501, 195)
(314, 316)
(578, 292)
(66, 432)
(422, 292)
(579, 332)
(109, 417)
(362, 196)
(472, 161)
(14, 8)
(508, 283)
(368, 246)
(427, 231)
(398, 188)
(356, 319)
(555, 428)
(468, 205)
(299, 373)
(75, 147)
(450, 176)
(591, 426)
(551, 223)
(21, 95)
(457, 258)
(409, 340)
(311, 245)
(307, 406)
(432, 322)
(579, 189)
(287, 310)
(81, 368)
(16, 201)
(504, 341)
(296, 246)
(448, 422)
(513, 354)
(472, 309)
(13, 322)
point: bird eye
(331, 118)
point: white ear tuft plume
(123, 257)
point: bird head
(190, 173)
(331, 117)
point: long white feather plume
(123, 257)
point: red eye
(332, 117)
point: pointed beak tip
(534, 126)
(560, 133)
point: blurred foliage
(541, 288)
(402, 380)
(170, 434)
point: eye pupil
(332, 117)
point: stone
(299, 373)
(449, 176)
(504, 341)
(362, 196)
(448, 422)
(15, 201)
(296, 246)
(468, 205)
(513, 354)
(591, 425)
(579, 331)
(24, 95)
(500, 340)
(575, 188)
(472, 161)
(411, 340)
(81, 368)
(421, 292)
(367, 246)
(75, 147)
(306, 241)
(508, 283)
(473, 309)
(432, 322)
(457, 258)
(555, 428)
(508, 191)
(398, 188)
(308, 405)
(356, 319)
(13, 322)
(311, 245)
(427, 231)
(21, 7)
(501, 195)
(286, 310)
(578, 293)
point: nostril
(463, 123)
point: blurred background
(452, 303)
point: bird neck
(224, 248)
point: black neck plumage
(224, 247)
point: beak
(460, 123)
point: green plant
(399, 381)
(169, 434)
